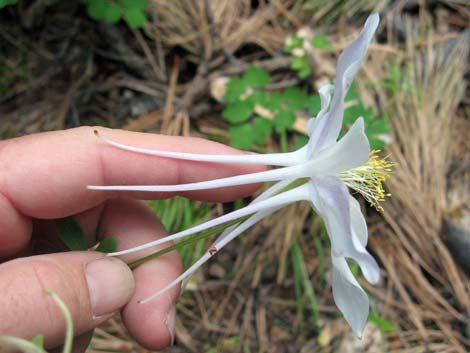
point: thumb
(92, 285)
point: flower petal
(227, 235)
(330, 199)
(272, 190)
(356, 51)
(186, 274)
(369, 267)
(293, 195)
(327, 129)
(359, 236)
(252, 178)
(349, 297)
(348, 153)
(274, 159)
(358, 223)
(234, 232)
(325, 98)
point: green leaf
(134, 4)
(135, 17)
(352, 94)
(107, 245)
(235, 88)
(354, 269)
(238, 112)
(367, 114)
(71, 234)
(321, 42)
(300, 142)
(301, 65)
(96, 9)
(304, 72)
(256, 77)
(38, 341)
(113, 13)
(296, 98)
(271, 100)
(283, 120)
(4, 3)
(294, 43)
(376, 131)
(313, 105)
(379, 126)
(376, 143)
(352, 113)
(241, 136)
(262, 129)
(303, 277)
(299, 62)
(255, 98)
(382, 323)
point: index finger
(45, 175)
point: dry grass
(427, 295)
(208, 29)
(246, 300)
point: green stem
(296, 264)
(19, 344)
(67, 348)
(321, 258)
(188, 240)
(284, 143)
(306, 283)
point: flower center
(368, 179)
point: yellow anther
(368, 179)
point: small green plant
(111, 11)
(303, 285)
(176, 214)
(133, 11)
(301, 46)
(4, 3)
(399, 81)
(72, 235)
(383, 324)
(179, 213)
(377, 128)
(255, 112)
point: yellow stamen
(368, 179)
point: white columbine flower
(329, 165)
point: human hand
(44, 177)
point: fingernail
(110, 285)
(170, 321)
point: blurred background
(246, 73)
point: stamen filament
(368, 179)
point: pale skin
(44, 177)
